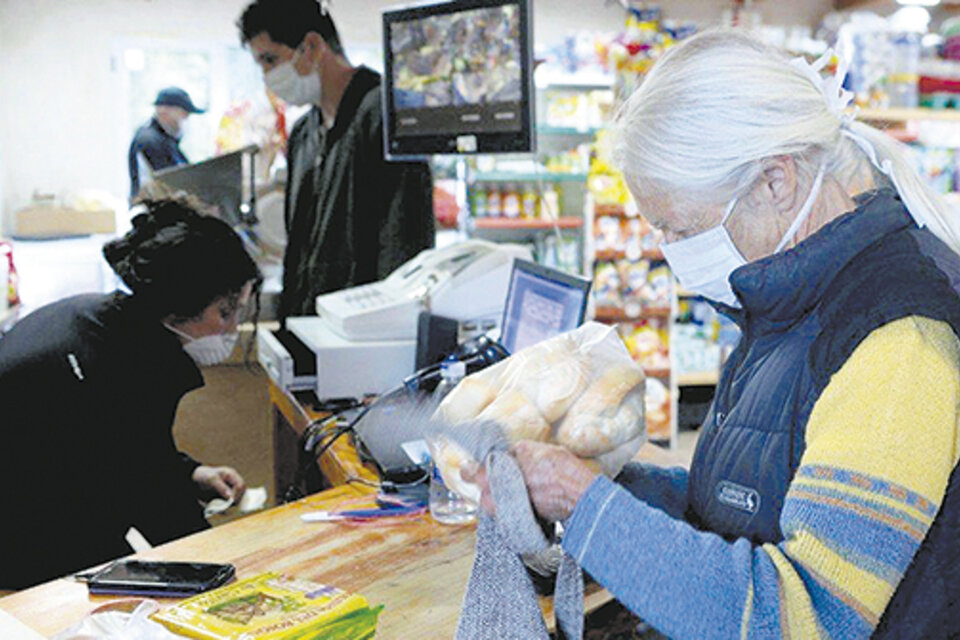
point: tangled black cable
(317, 442)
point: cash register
(363, 339)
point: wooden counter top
(418, 569)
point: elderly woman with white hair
(822, 500)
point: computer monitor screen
(541, 303)
(458, 78)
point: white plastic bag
(581, 390)
(117, 622)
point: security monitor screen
(458, 73)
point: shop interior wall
(60, 97)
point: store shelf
(527, 223)
(614, 314)
(699, 378)
(902, 135)
(532, 176)
(567, 131)
(619, 254)
(610, 211)
(608, 255)
(906, 115)
(656, 373)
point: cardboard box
(51, 221)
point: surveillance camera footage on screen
(458, 72)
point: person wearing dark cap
(351, 216)
(89, 387)
(156, 145)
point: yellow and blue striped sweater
(881, 442)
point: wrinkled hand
(555, 478)
(219, 481)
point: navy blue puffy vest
(804, 312)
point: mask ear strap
(805, 211)
(188, 337)
(728, 211)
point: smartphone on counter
(160, 579)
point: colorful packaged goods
(657, 290)
(606, 285)
(657, 410)
(608, 234)
(271, 606)
(648, 344)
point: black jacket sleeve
(401, 205)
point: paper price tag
(417, 451)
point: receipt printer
(350, 369)
(286, 359)
(308, 355)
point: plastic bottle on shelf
(478, 201)
(529, 202)
(511, 201)
(446, 506)
(550, 205)
(904, 72)
(493, 202)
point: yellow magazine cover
(272, 606)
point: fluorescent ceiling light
(919, 3)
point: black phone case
(185, 585)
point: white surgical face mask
(703, 262)
(208, 350)
(293, 88)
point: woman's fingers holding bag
(555, 477)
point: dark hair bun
(179, 260)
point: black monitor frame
(544, 273)
(466, 142)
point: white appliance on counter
(466, 281)
(350, 369)
(364, 338)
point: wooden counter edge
(340, 464)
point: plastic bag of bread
(581, 390)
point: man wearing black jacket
(157, 143)
(351, 216)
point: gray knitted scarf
(501, 602)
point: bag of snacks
(581, 390)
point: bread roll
(517, 416)
(450, 459)
(605, 416)
(552, 379)
(466, 401)
(472, 395)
